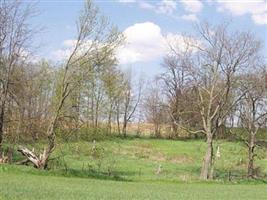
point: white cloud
(145, 5)
(180, 43)
(193, 6)
(257, 9)
(61, 54)
(68, 47)
(260, 18)
(64, 53)
(190, 17)
(126, 1)
(166, 7)
(30, 56)
(69, 43)
(144, 42)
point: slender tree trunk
(124, 127)
(1, 125)
(157, 129)
(118, 120)
(251, 155)
(109, 119)
(174, 130)
(2, 113)
(96, 113)
(92, 112)
(207, 161)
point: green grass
(22, 186)
(126, 169)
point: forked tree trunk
(42, 161)
(207, 160)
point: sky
(146, 24)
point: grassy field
(22, 186)
(127, 169)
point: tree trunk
(174, 130)
(51, 141)
(118, 117)
(109, 120)
(157, 130)
(124, 125)
(42, 161)
(207, 160)
(1, 125)
(251, 155)
(124, 128)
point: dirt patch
(149, 146)
(181, 159)
(158, 157)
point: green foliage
(91, 134)
(84, 134)
(241, 133)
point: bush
(84, 133)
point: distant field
(127, 169)
(148, 130)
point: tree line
(215, 78)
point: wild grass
(127, 169)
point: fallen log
(37, 162)
(22, 162)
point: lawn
(28, 186)
(127, 169)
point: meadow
(135, 168)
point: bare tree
(216, 58)
(15, 37)
(177, 81)
(113, 81)
(131, 99)
(222, 55)
(252, 110)
(155, 108)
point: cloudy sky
(147, 25)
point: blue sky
(146, 24)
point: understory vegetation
(134, 168)
(144, 159)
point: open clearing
(133, 164)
